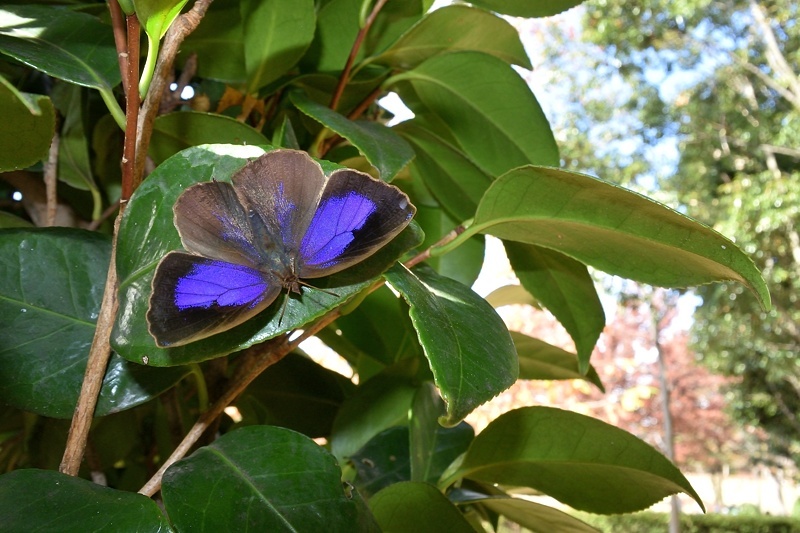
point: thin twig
(180, 28)
(348, 66)
(50, 181)
(95, 370)
(105, 215)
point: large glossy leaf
(174, 132)
(443, 30)
(457, 183)
(44, 500)
(260, 478)
(276, 35)
(384, 149)
(219, 43)
(526, 8)
(380, 403)
(51, 285)
(337, 27)
(612, 229)
(531, 515)
(433, 447)
(296, 393)
(147, 233)
(539, 360)
(63, 43)
(582, 462)
(486, 106)
(566, 288)
(462, 264)
(26, 129)
(383, 461)
(417, 507)
(467, 345)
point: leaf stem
(113, 106)
(348, 66)
(149, 66)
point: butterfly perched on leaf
(279, 221)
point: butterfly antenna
(304, 284)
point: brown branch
(181, 27)
(131, 111)
(120, 39)
(105, 215)
(95, 371)
(348, 66)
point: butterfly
(279, 221)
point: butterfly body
(280, 221)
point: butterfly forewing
(282, 188)
(195, 297)
(356, 215)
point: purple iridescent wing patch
(279, 220)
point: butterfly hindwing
(194, 297)
(356, 215)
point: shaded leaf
(259, 478)
(156, 16)
(50, 294)
(383, 461)
(384, 149)
(467, 345)
(566, 288)
(443, 30)
(26, 129)
(44, 500)
(417, 507)
(526, 8)
(174, 132)
(276, 35)
(539, 360)
(582, 462)
(511, 295)
(65, 44)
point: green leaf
(462, 264)
(582, 462)
(63, 43)
(219, 44)
(147, 233)
(276, 35)
(526, 8)
(337, 28)
(417, 507)
(27, 127)
(7, 220)
(385, 151)
(539, 360)
(259, 478)
(455, 181)
(298, 394)
(485, 105)
(51, 286)
(433, 447)
(156, 16)
(74, 165)
(585, 218)
(174, 132)
(443, 31)
(44, 500)
(511, 295)
(530, 515)
(467, 345)
(383, 461)
(380, 403)
(566, 288)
